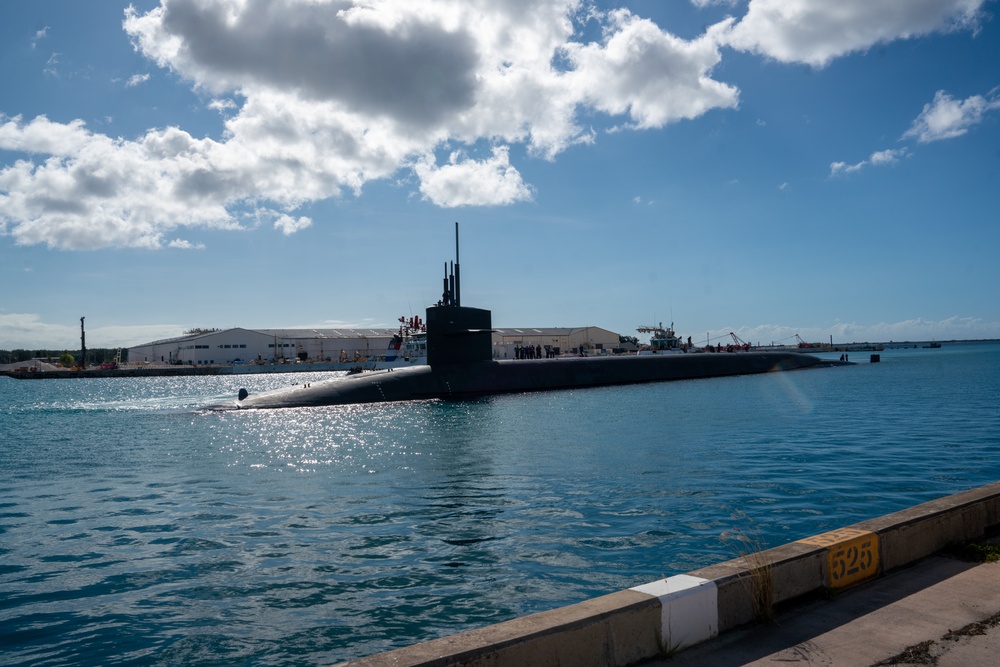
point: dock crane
(804, 344)
(740, 343)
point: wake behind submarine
(460, 365)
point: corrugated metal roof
(285, 333)
(546, 331)
(368, 333)
(328, 333)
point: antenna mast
(452, 290)
(458, 289)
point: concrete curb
(667, 615)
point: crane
(740, 343)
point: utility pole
(83, 347)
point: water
(136, 530)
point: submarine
(460, 365)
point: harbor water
(137, 529)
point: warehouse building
(238, 345)
(230, 346)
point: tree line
(97, 355)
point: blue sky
(771, 167)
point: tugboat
(662, 341)
(408, 347)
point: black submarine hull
(483, 378)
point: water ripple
(138, 532)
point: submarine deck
(460, 381)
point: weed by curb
(977, 552)
(759, 578)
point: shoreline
(25, 371)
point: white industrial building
(238, 345)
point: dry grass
(745, 539)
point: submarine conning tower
(457, 334)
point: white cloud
(222, 105)
(414, 67)
(701, 4)
(817, 31)
(916, 329)
(876, 159)
(43, 136)
(27, 331)
(364, 90)
(465, 182)
(39, 36)
(954, 327)
(184, 244)
(944, 118)
(887, 156)
(845, 168)
(289, 225)
(360, 92)
(136, 79)
(50, 65)
(947, 118)
(94, 191)
(650, 75)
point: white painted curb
(689, 608)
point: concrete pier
(658, 619)
(942, 611)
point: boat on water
(408, 347)
(662, 340)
